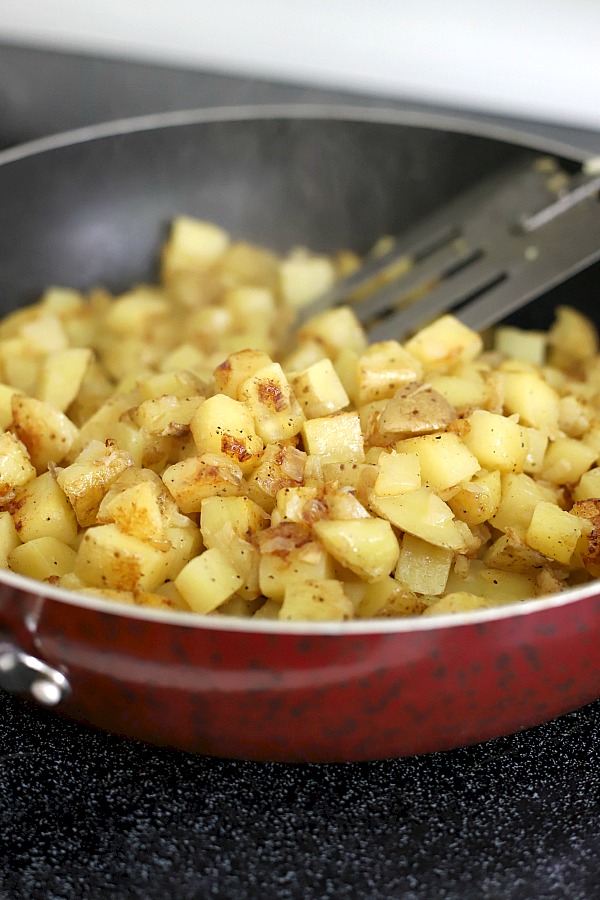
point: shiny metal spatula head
(482, 256)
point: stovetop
(91, 815)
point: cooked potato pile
(171, 447)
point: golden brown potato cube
(40, 509)
(270, 399)
(223, 425)
(109, 558)
(368, 547)
(207, 581)
(87, 480)
(15, 466)
(194, 479)
(237, 368)
(336, 439)
(281, 466)
(218, 514)
(42, 558)
(47, 433)
(479, 499)
(573, 337)
(301, 504)
(316, 601)
(140, 510)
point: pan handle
(26, 675)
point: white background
(538, 58)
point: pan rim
(299, 111)
(407, 625)
(426, 119)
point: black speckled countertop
(86, 814)
(89, 815)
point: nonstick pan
(92, 208)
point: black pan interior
(95, 212)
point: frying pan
(92, 208)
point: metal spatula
(483, 255)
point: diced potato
(334, 330)
(319, 390)
(140, 510)
(423, 514)
(281, 466)
(237, 368)
(269, 397)
(589, 485)
(368, 547)
(554, 532)
(457, 602)
(109, 558)
(41, 509)
(167, 414)
(386, 599)
(498, 586)
(207, 581)
(47, 433)
(336, 439)
(303, 278)
(291, 557)
(194, 479)
(398, 473)
(217, 513)
(517, 343)
(223, 425)
(520, 496)
(537, 444)
(316, 601)
(9, 538)
(192, 245)
(61, 376)
(566, 460)
(15, 466)
(383, 368)
(7, 392)
(513, 554)
(423, 567)
(572, 336)
(479, 499)
(497, 442)
(444, 343)
(535, 402)
(88, 478)
(42, 558)
(462, 392)
(444, 459)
